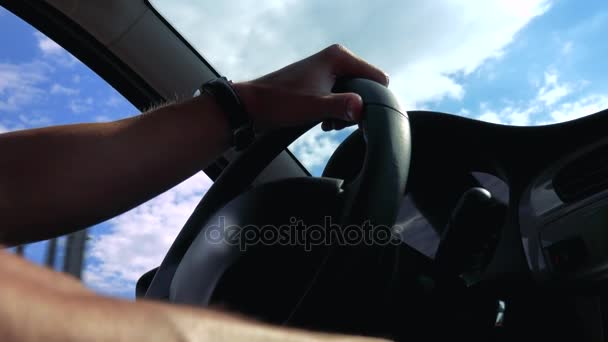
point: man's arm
(37, 304)
(60, 179)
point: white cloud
(17, 100)
(54, 51)
(464, 112)
(423, 45)
(58, 89)
(20, 84)
(435, 86)
(32, 120)
(509, 115)
(548, 105)
(581, 107)
(114, 101)
(533, 114)
(11, 125)
(78, 106)
(138, 240)
(102, 118)
(490, 116)
(552, 91)
(519, 117)
(314, 147)
(24, 121)
(47, 46)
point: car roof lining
(133, 32)
(115, 39)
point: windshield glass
(517, 62)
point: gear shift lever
(470, 236)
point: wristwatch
(229, 101)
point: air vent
(583, 177)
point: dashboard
(564, 217)
(553, 179)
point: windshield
(517, 62)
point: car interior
(518, 216)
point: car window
(523, 63)
(42, 84)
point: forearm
(59, 179)
(78, 318)
(38, 304)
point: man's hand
(301, 92)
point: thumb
(343, 106)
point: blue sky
(513, 62)
(567, 41)
(40, 85)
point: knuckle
(336, 50)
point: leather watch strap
(230, 102)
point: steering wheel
(206, 262)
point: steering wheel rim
(374, 197)
(376, 193)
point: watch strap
(229, 101)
